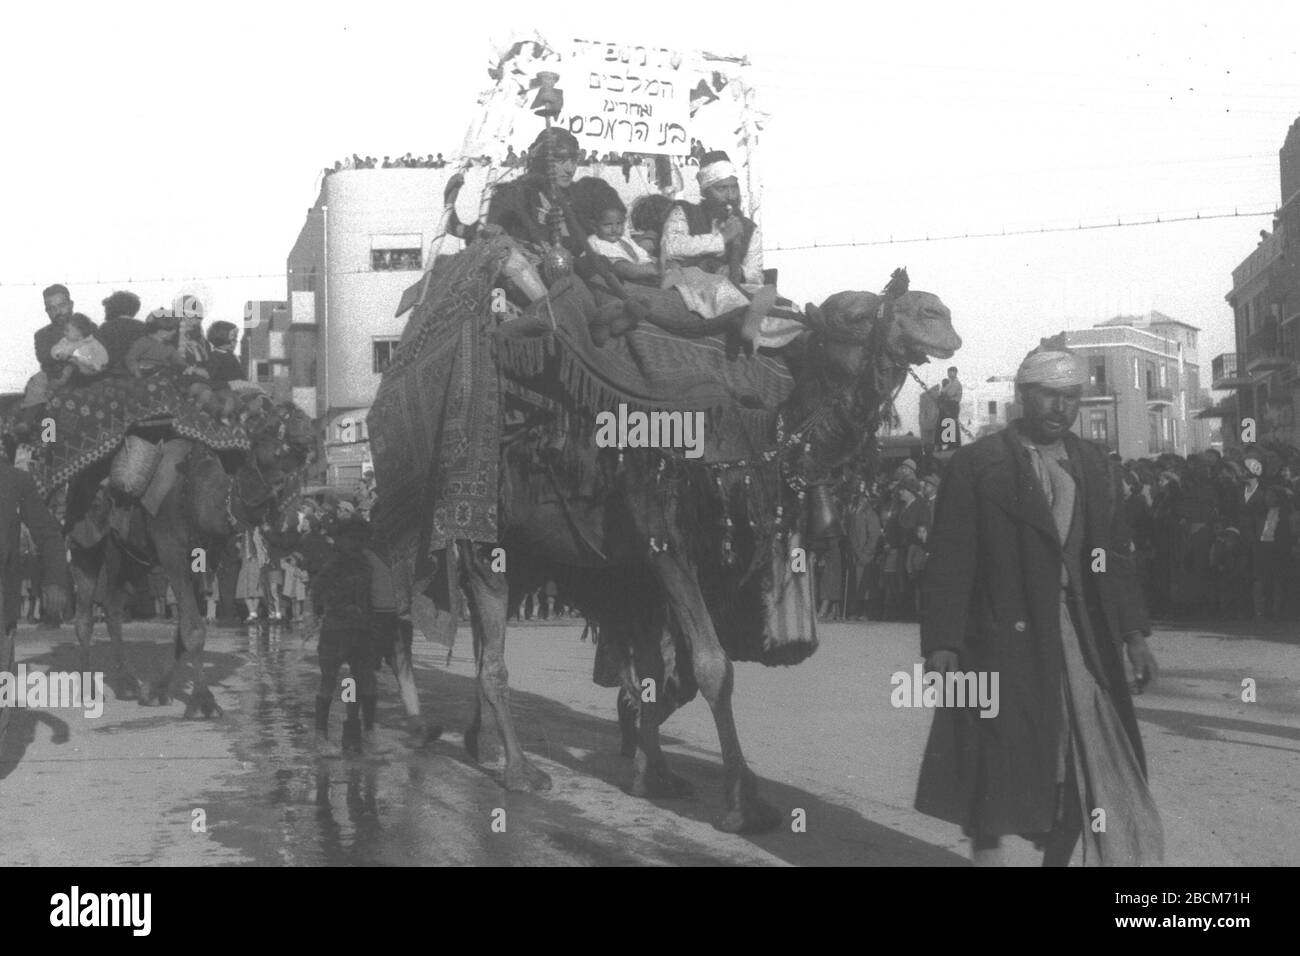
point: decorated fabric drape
(435, 426)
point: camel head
(857, 357)
(281, 435)
(909, 328)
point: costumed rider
(534, 211)
(537, 211)
(713, 256)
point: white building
(364, 242)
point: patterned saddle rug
(88, 424)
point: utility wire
(1118, 224)
(891, 241)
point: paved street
(822, 737)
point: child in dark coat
(341, 598)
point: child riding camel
(84, 354)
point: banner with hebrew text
(627, 99)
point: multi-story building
(989, 406)
(1263, 374)
(1144, 386)
(363, 244)
(265, 347)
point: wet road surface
(143, 786)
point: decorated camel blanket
(649, 369)
(436, 422)
(88, 424)
(435, 425)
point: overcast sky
(149, 142)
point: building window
(1164, 376)
(395, 260)
(1099, 427)
(1137, 375)
(263, 371)
(383, 352)
(1098, 374)
(993, 409)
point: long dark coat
(991, 592)
(20, 502)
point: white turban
(714, 172)
(1053, 369)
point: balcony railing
(1228, 371)
(1098, 392)
(1266, 351)
(1160, 395)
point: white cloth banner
(626, 99)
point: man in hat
(906, 470)
(715, 238)
(1031, 577)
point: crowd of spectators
(512, 160)
(431, 161)
(873, 570)
(1215, 535)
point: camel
(644, 553)
(202, 510)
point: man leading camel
(1031, 577)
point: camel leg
(627, 715)
(86, 566)
(745, 812)
(488, 594)
(123, 682)
(404, 671)
(168, 531)
(652, 777)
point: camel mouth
(921, 354)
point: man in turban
(713, 255)
(1031, 576)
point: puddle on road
(295, 807)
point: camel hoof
(524, 776)
(126, 688)
(755, 816)
(154, 695)
(203, 704)
(422, 734)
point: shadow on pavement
(1195, 726)
(836, 835)
(20, 733)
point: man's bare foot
(762, 303)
